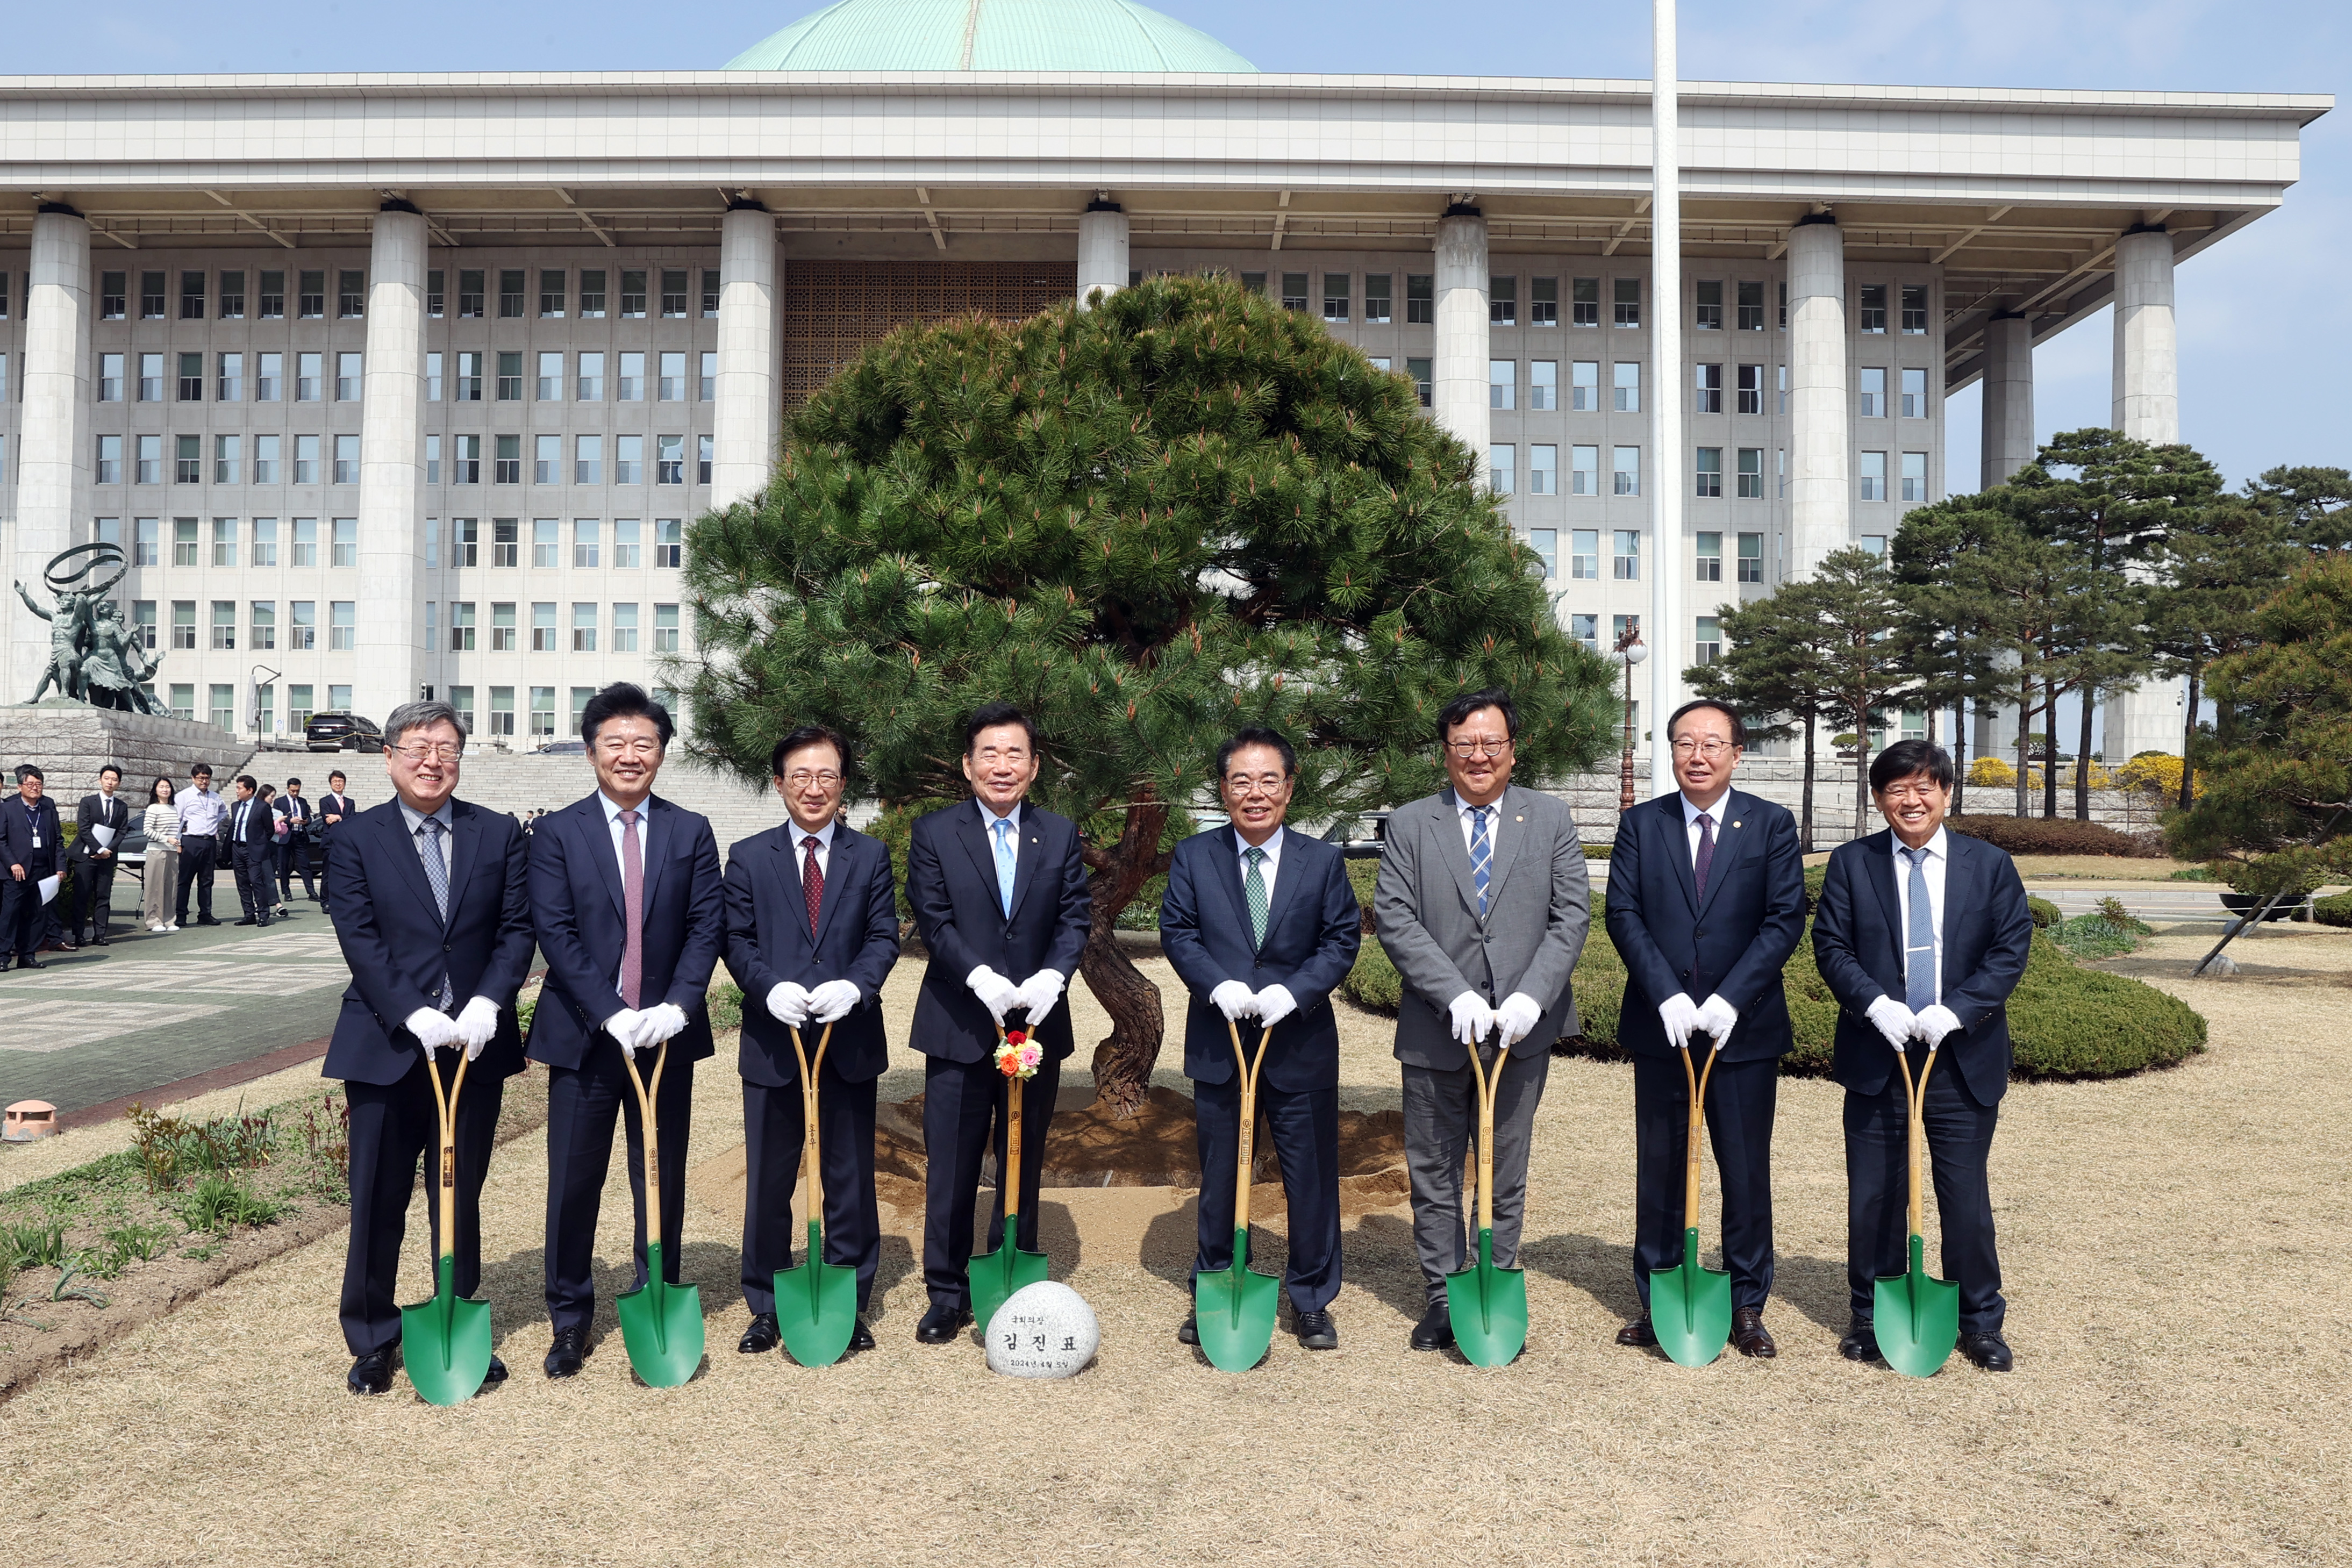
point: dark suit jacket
(1858, 945)
(1313, 927)
(260, 823)
(577, 908)
(769, 943)
(17, 832)
(398, 946)
(951, 883)
(296, 810)
(95, 810)
(341, 804)
(1734, 943)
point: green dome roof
(988, 36)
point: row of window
(255, 541)
(1708, 389)
(1625, 561)
(547, 463)
(1707, 640)
(300, 707)
(502, 632)
(228, 381)
(311, 459)
(1708, 472)
(549, 383)
(224, 297)
(1711, 298)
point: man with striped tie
(1938, 920)
(1481, 904)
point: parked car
(564, 748)
(341, 732)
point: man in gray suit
(1482, 905)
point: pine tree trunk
(1805, 827)
(1959, 756)
(2188, 732)
(1123, 1060)
(2049, 749)
(2025, 728)
(2083, 762)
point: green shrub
(2096, 936)
(2068, 1022)
(2336, 911)
(1374, 984)
(2051, 836)
(2045, 913)
(1816, 878)
(2193, 873)
(1597, 851)
(219, 1204)
(725, 1000)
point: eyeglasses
(630, 746)
(1898, 793)
(1711, 747)
(1467, 748)
(988, 756)
(1241, 786)
(445, 752)
(801, 778)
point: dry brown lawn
(2171, 1244)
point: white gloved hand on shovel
(1893, 1019)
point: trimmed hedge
(2045, 913)
(2336, 911)
(2053, 836)
(2067, 1022)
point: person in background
(99, 823)
(29, 852)
(201, 812)
(293, 844)
(335, 807)
(162, 864)
(250, 851)
(53, 936)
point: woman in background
(161, 875)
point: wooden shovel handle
(1489, 1083)
(1915, 1130)
(1248, 1070)
(446, 1116)
(653, 1141)
(811, 1177)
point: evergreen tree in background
(1855, 614)
(1771, 670)
(2215, 572)
(1148, 523)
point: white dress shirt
(988, 821)
(1692, 812)
(416, 820)
(613, 822)
(1494, 808)
(1938, 857)
(1273, 863)
(823, 837)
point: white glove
(477, 1025)
(433, 1029)
(1275, 1004)
(1932, 1024)
(1233, 999)
(1518, 1017)
(1681, 1016)
(997, 994)
(624, 1026)
(832, 1001)
(657, 1023)
(1473, 1019)
(1718, 1018)
(1039, 992)
(789, 1001)
(1893, 1019)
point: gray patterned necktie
(436, 873)
(1919, 946)
(1482, 855)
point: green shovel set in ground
(1690, 1307)
(1488, 1303)
(661, 1323)
(1233, 1309)
(1917, 1317)
(446, 1342)
(993, 1276)
(816, 1303)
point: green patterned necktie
(1253, 886)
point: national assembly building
(391, 385)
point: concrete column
(53, 455)
(391, 663)
(1821, 483)
(2147, 371)
(1102, 249)
(2008, 443)
(1458, 363)
(747, 423)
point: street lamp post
(1628, 652)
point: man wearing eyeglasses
(433, 915)
(627, 906)
(1706, 901)
(1481, 904)
(812, 933)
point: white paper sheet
(48, 888)
(104, 835)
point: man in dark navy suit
(251, 850)
(1260, 925)
(999, 898)
(435, 913)
(1706, 899)
(812, 933)
(335, 808)
(93, 856)
(29, 853)
(626, 902)
(1922, 933)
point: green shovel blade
(817, 1305)
(995, 1275)
(1690, 1308)
(1916, 1316)
(1488, 1305)
(1234, 1311)
(446, 1342)
(661, 1323)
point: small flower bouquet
(1018, 1056)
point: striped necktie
(1482, 856)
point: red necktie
(633, 898)
(812, 883)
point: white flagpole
(1666, 635)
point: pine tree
(1771, 672)
(1854, 595)
(2214, 574)
(1147, 524)
(1942, 639)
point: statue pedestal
(70, 741)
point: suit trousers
(198, 857)
(1877, 1173)
(963, 1118)
(22, 920)
(391, 1125)
(294, 854)
(1441, 1126)
(583, 1103)
(253, 865)
(1304, 1128)
(775, 1128)
(93, 883)
(1740, 1099)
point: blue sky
(2262, 315)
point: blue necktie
(1919, 948)
(1004, 827)
(1482, 855)
(436, 873)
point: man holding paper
(101, 821)
(28, 847)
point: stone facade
(71, 741)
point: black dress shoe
(571, 1348)
(99, 942)
(862, 1337)
(240, 920)
(762, 1337)
(1861, 1342)
(371, 1373)
(1989, 1351)
(1316, 1331)
(497, 1374)
(1189, 1331)
(940, 1324)
(1638, 1334)
(1749, 1335)
(263, 922)
(30, 964)
(203, 920)
(1435, 1330)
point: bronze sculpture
(94, 658)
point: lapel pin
(1518, 819)
(1735, 822)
